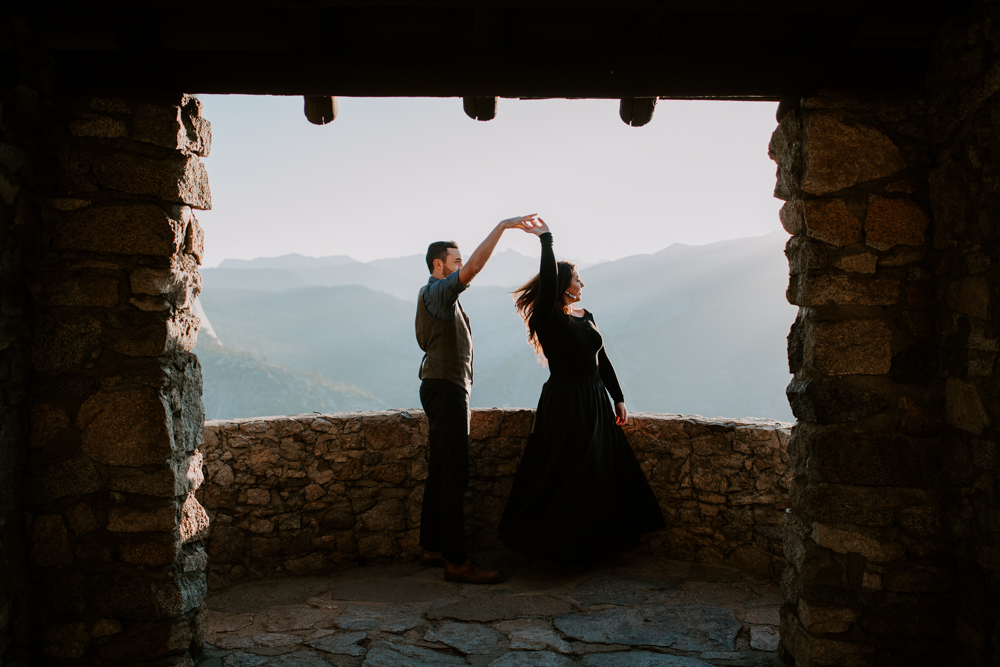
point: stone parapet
(306, 494)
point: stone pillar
(24, 78)
(963, 129)
(870, 561)
(893, 206)
(116, 412)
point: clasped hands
(529, 223)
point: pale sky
(390, 175)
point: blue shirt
(441, 295)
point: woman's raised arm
(548, 278)
(548, 273)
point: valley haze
(690, 330)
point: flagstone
(385, 654)
(345, 643)
(534, 635)
(683, 627)
(487, 608)
(532, 659)
(616, 615)
(625, 591)
(466, 637)
(641, 659)
(379, 617)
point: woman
(579, 493)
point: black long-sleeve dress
(579, 492)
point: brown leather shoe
(432, 558)
(469, 573)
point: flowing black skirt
(579, 492)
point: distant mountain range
(393, 276)
(690, 329)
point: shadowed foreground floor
(635, 611)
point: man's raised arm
(482, 254)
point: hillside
(690, 329)
(352, 334)
(237, 384)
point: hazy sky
(390, 175)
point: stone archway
(891, 201)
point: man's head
(443, 258)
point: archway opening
(315, 249)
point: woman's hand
(621, 414)
(536, 227)
(520, 222)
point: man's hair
(438, 250)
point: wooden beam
(375, 29)
(320, 109)
(787, 105)
(482, 29)
(899, 7)
(480, 108)
(770, 74)
(637, 111)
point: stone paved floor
(636, 611)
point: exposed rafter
(320, 109)
(567, 48)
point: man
(444, 335)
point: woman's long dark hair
(526, 294)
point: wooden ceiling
(725, 49)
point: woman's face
(575, 290)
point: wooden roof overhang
(722, 49)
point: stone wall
(891, 201)
(867, 547)
(963, 130)
(117, 563)
(307, 494)
(24, 81)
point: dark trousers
(441, 523)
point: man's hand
(621, 414)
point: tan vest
(447, 345)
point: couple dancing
(579, 493)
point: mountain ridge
(700, 329)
